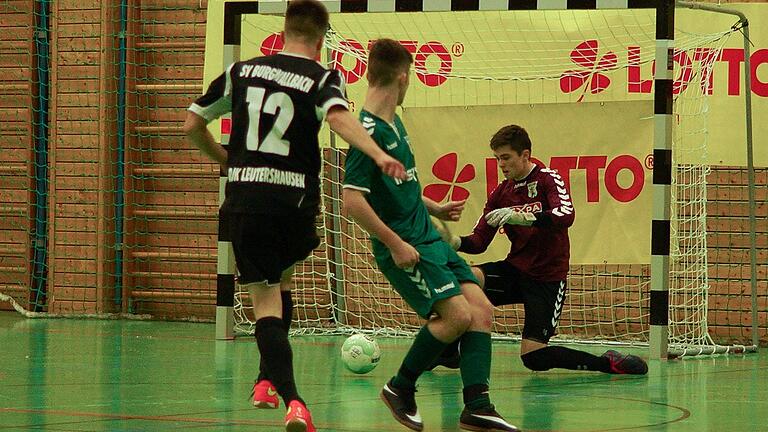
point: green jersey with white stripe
(398, 203)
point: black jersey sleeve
(331, 91)
(217, 100)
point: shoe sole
(392, 411)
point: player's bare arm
(343, 123)
(358, 208)
(450, 211)
(195, 127)
(481, 236)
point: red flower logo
(445, 169)
(585, 55)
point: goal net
(585, 62)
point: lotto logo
(590, 75)
(594, 68)
(597, 168)
(432, 60)
(622, 176)
(446, 170)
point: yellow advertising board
(605, 163)
(581, 83)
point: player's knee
(455, 315)
(537, 360)
(482, 316)
(459, 321)
(462, 320)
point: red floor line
(169, 418)
(172, 418)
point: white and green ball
(360, 353)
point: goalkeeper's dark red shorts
(265, 245)
(543, 301)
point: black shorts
(543, 301)
(265, 245)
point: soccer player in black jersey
(273, 190)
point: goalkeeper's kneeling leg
(539, 360)
(551, 357)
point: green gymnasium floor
(71, 375)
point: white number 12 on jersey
(273, 142)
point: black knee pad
(539, 360)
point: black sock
(275, 350)
(287, 309)
(451, 350)
(287, 319)
(564, 358)
(476, 396)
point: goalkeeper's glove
(453, 240)
(508, 215)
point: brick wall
(17, 135)
(728, 245)
(172, 188)
(82, 120)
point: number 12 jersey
(278, 103)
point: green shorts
(438, 275)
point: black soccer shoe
(626, 363)
(485, 420)
(450, 361)
(402, 404)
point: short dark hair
(386, 60)
(512, 135)
(306, 19)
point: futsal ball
(360, 353)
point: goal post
(662, 179)
(504, 69)
(702, 343)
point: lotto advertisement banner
(606, 164)
(582, 88)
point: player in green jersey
(424, 269)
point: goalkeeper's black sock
(564, 358)
(272, 338)
(287, 319)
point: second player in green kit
(424, 269)
(400, 205)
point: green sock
(475, 368)
(424, 350)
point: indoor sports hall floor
(75, 375)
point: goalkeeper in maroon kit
(535, 209)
